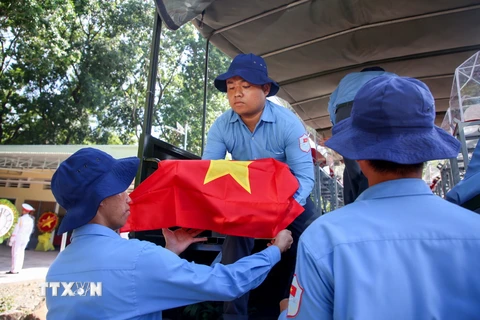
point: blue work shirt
(397, 252)
(139, 279)
(348, 88)
(469, 187)
(279, 134)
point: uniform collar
(396, 188)
(94, 229)
(267, 114)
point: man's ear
(266, 88)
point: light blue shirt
(469, 187)
(140, 279)
(348, 88)
(277, 135)
(397, 252)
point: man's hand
(179, 240)
(11, 241)
(283, 240)
(283, 305)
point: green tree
(180, 86)
(75, 72)
(65, 65)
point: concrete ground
(20, 293)
(34, 268)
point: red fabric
(176, 195)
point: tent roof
(310, 45)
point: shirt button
(253, 138)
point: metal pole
(205, 83)
(450, 121)
(63, 244)
(152, 76)
(52, 236)
(185, 138)
(459, 93)
(455, 171)
(463, 140)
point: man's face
(246, 99)
(115, 210)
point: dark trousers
(235, 248)
(354, 182)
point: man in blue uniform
(255, 128)
(339, 108)
(398, 251)
(467, 192)
(103, 276)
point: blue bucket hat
(250, 67)
(85, 179)
(393, 119)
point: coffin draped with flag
(242, 198)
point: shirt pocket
(274, 150)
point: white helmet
(27, 207)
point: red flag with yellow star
(241, 198)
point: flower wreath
(11, 206)
(47, 222)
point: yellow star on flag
(237, 169)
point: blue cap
(85, 179)
(393, 119)
(249, 67)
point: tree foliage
(75, 72)
(180, 86)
